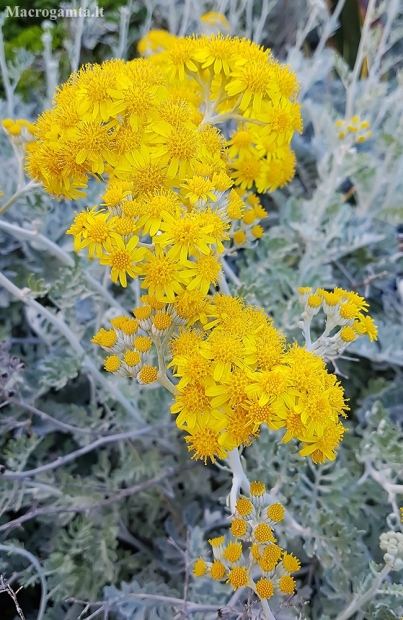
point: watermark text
(54, 14)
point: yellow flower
(112, 363)
(216, 52)
(239, 527)
(247, 172)
(184, 235)
(269, 385)
(162, 275)
(148, 374)
(257, 231)
(217, 570)
(324, 446)
(99, 234)
(176, 147)
(276, 512)
(180, 56)
(200, 568)
(155, 41)
(225, 352)
(263, 533)
(290, 562)
(252, 80)
(244, 506)
(242, 144)
(202, 273)
(78, 228)
(233, 552)
(190, 404)
(366, 325)
(287, 584)
(199, 188)
(203, 440)
(257, 489)
(238, 577)
(122, 259)
(265, 588)
(348, 334)
(239, 237)
(153, 205)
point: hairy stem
(63, 328)
(359, 601)
(62, 460)
(20, 192)
(239, 479)
(64, 257)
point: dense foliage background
(103, 519)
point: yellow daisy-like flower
(184, 235)
(199, 188)
(162, 275)
(200, 568)
(233, 552)
(244, 506)
(217, 570)
(123, 260)
(203, 440)
(265, 588)
(290, 562)
(153, 205)
(238, 577)
(366, 325)
(202, 273)
(239, 527)
(287, 584)
(175, 147)
(276, 512)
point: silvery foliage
(110, 524)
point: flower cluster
(148, 128)
(392, 543)
(129, 348)
(237, 373)
(252, 557)
(159, 114)
(179, 193)
(355, 129)
(346, 319)
(21, 134)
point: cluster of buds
(130, 351)
(129, 348)
(20, 133)
(354, 129)
(252, 557)
(248, 229)
(345, 319)
(392, 543)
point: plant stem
(64, 257)
(85, 509)
(359, 59)
(239, 479)
(4, 74)
(35, 562)
(62, 460)
(20, 192)
(24, 296)
(359, 601)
